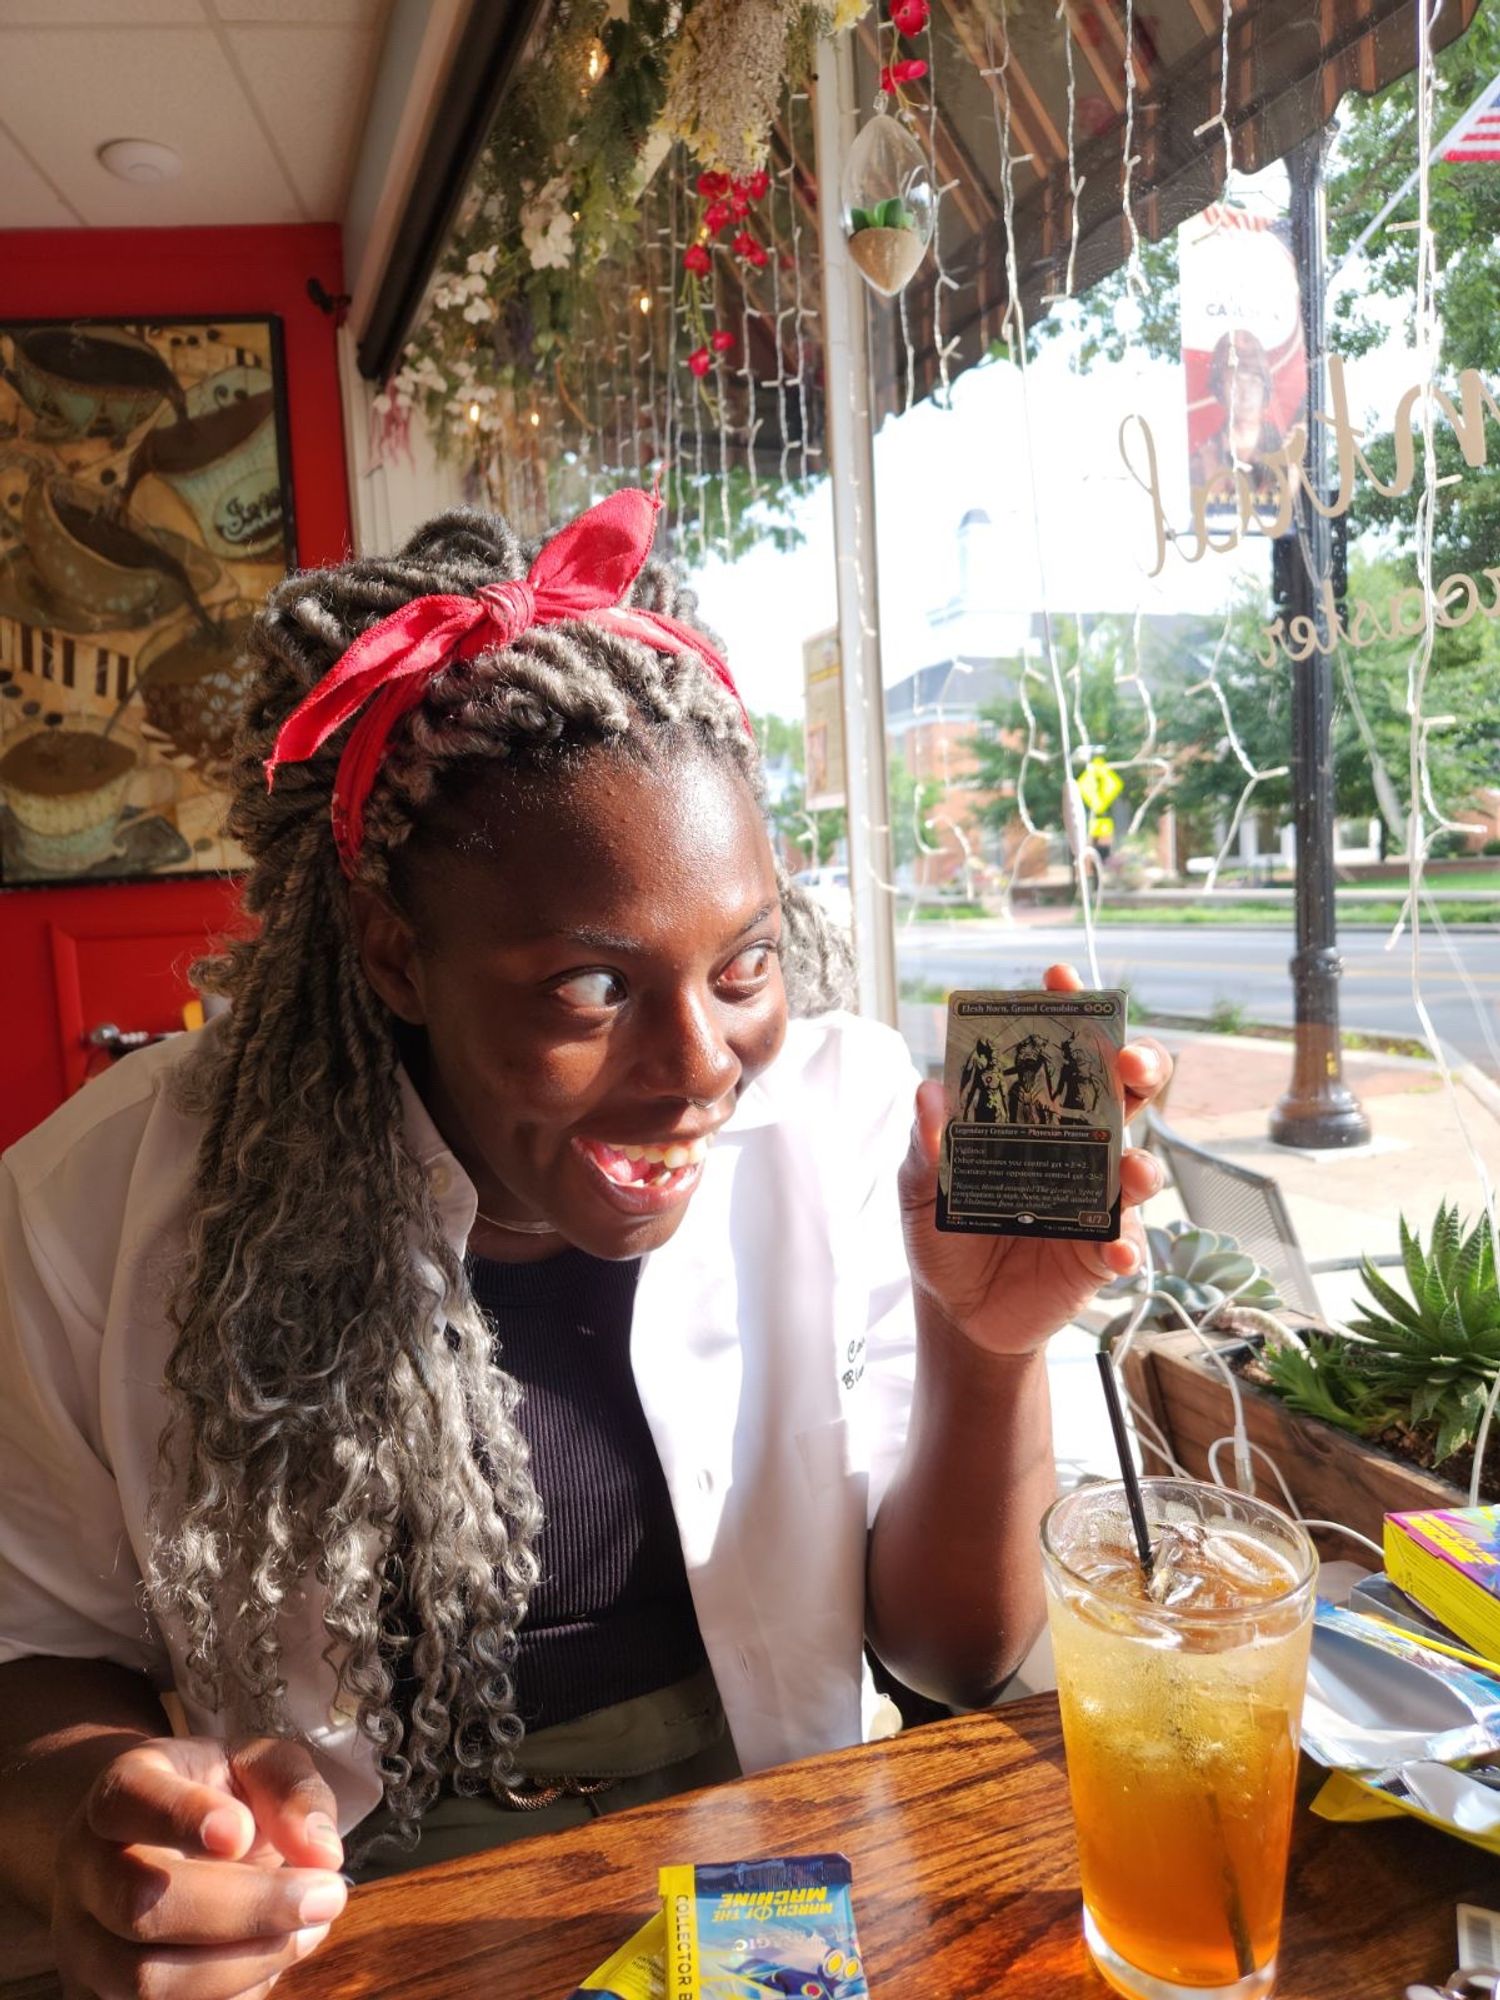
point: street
(1177, 968)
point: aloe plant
(1198, 1270)
(1427, 1361)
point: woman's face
(597, 976)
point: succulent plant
(1198, 1269)
(892, 214)
(1428, 1360)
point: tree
(1018, 750)
(816, 835)
(1376, 150)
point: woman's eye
(750, 968)
(592, 989)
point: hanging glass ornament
(889, 206)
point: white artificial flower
(477, 311)
(483, 261)
(547, 226)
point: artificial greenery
(1422, 1363)
(550, 310)
(892, 214)
(1193, 1271)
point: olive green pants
(629, 1755)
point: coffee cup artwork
(145, 511)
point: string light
(473, 413)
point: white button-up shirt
(773, 1346)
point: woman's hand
(1008, 1294)
(196, 1870)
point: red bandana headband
(580, 576)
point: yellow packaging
(637, 1971)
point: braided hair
(336, 1409)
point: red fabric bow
(580, 575)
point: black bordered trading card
(1035, 1122)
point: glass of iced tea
(1181, 1701)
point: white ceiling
(264, 100)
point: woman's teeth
(668, 1156)
(645, 1165)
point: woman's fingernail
(322, 1832)
(221, 1830)
(305, 1941)
(322, 1902)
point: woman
(513, 1281)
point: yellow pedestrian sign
(1102, 830)
(1099, 785)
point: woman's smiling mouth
(644, 1180)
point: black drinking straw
(1127, 1466)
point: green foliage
(1196, 1269)
(892, 214)
(1318, 1380)
(1018, 757)
(1425, 1359)
(817, 836)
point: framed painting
(145, 511)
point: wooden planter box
(1332, 1476)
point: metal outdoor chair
(1221, 1194)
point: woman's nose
(690, 1056)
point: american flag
(1476, 136)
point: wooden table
(965, 1881)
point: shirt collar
(452, 1190)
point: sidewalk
(1342, 1203)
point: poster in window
(823, 721)
(1242, 348)
(145, 511)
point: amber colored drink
(1181, 1701)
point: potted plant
(1377, 1419)
(1413, 1373)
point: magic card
(1035, 1119)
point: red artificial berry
(697, 260)
(757, 256)
(909, 16)
(721, 340)
(739, 205)
(744, 243)
(758, 185)
(906, 71)
(713, 187)
(700, 361)
(716, 217)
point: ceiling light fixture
(141, 161)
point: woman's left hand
(1009, 1294)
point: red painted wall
(70, 958)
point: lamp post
(1319, 1110)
